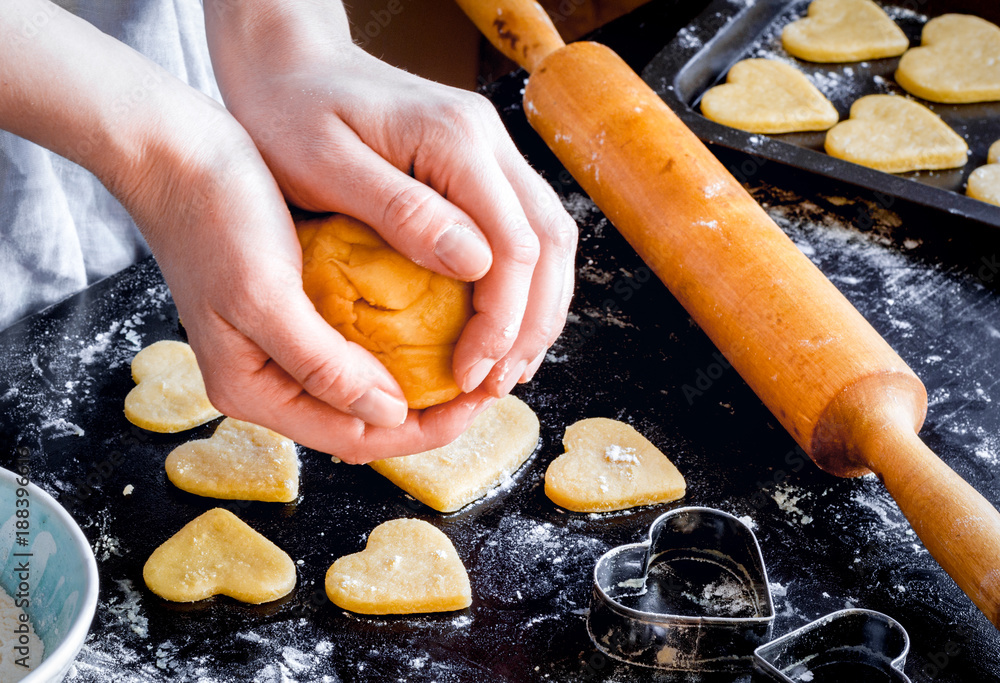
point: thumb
(340, 373)
(412, 217)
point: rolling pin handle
(958, 526)
(520, 29)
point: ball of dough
(407, 316)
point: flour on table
(788, 497)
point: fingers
(412, 217)
(316, 357)
(281, 404)
(553, 278)
(479, 232)
(522, 303)
(476, 183)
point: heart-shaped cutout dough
(895, 134)
(984, 183)
(610, 466)
(407, 567)
(490, 450)
(844, 31)
(766, 96)
(219, 554)
(958, 61)
(240, 461)
(169, 395)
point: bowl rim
(65, 653)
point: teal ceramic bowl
(61, 577)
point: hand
(429, 167)
(222, 235)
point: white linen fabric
(60, 229)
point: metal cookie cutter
(849, 645)
(693, 597)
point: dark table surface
(925, 280)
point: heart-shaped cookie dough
(610, 466)
(169, 395)
(844, 31)
(895, 134)
(218, 554)
(958, 61)
(490, 450)
(241, 460)
(765, 96)
(407, 567)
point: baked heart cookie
(241, 460)
(608, 465)
(218, 554)
(407, 567)
(984, 182)
(844, 31)
(895, 134)
(490, 450)
(169, 395)
(766, 96)
(958, 61)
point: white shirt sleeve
(60, 229)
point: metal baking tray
(728, 31)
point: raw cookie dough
(984, 183)
(169, 395)
(958, 61)
(448, 478)
(895, 134)
(844, 31)
(407, 567)
(610, 466)
(406, 315)
(241, 461)
(218, 554)
(765, 96)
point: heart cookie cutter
(849, 645)
(693, 597)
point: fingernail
(476, 374)
(380, 409)
(533, 367)
(507, 383)
(464, 252)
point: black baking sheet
(728, 31)
(629, 352)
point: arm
(217, 223)
(430, 167)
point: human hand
(221, 232)
(227, 247)
(429, 167)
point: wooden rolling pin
(838, 388)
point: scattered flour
(621, 456)
(127, 609)
(787, 497)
